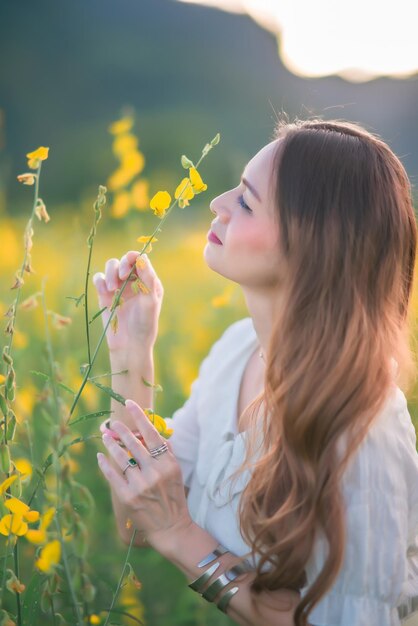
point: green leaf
(48, 378)
(148, 384)
(3, 405)
(31, 600)
(109, 391)
(88, 416)
(40, 374)
(77, 300)
(66, 388)
(108, 374)
(186, 163)
(216, 139)
(97, 314)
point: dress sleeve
(376, 491)
(368, 587)
(185, 420)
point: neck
(262, 308)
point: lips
(214, 238)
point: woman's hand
(153, 490)
(139, 312)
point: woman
(321, 235)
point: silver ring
(160, 450)
(131, 463)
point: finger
(100, 284)
(150, 434)
(146, 272)
(112, 475)
(126, 263)
(139, 450)
(118, 454)
(111, 274)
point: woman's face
(248, 253)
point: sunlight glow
(359, 40)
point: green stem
(56, 402)
(49, 351)
(121, 577)
(86, 308)
(68, 574)
(19, 289)
(116, 303)
(19, 606)
(3, 578)
(53, 610)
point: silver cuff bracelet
(218, 551)
(223, 602)
(223, 580)
(198, 584)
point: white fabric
(380, 489)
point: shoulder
(237, 331)
(233, 338)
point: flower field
(61, 560)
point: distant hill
(189, 71)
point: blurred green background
(184, 72)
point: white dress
(379, 574)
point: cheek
(259, 239)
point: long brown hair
(347, 234)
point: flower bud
(6, 356)
(27, 179)
(186, 163)
(5, 465)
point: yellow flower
(197, 183)
(160, 203)
(119, 179)
(121, 126)
(25, 401)
(6, 483)
(27, 178)
(186, 192)
(139, 195)
(40, 153)
(50, 556)
(21, 509)
(2, 379)
(17, 506)
(94, 619)
(124, 143)
(121, 204)
(159, 423)
(32, 516)
(140, 263)
(133, 162)
(35, 157)
(36, 536)
(13, 524)
(24, 467)
(145, 238)
(47, 517)
(20, 339)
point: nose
(217, 207)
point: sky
(358, 41)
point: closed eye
(242, 203)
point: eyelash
(242, 203)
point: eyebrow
(251, 188)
